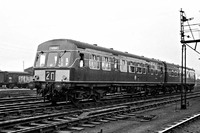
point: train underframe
(76, 92)
(13, 85)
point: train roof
(110, 50)
(83, 45)
(178, 66)
(17, 72)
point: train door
(116, 69)
(162, 75)
(165, 73)
(148, 72)
(83, 69)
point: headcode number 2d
(50, 75)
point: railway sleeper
(88, 118)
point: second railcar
(173, 77)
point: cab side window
(82, 62)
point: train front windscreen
(53, 59)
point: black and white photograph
(99, 66)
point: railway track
(34, 108)
(19, 99)
(180, 124)
(77, 119)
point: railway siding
(33, 109)
(77, 119)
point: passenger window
(131, 68)
(172, 73)
(116, 64)
(94, 62)
(148, 69)
(151, 71)
(123, 65)
(139, 70)
(175, 73)
(156, 72)
(161, 70)
(106, 64)
(144, 70)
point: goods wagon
(11, 79)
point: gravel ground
(164, 116)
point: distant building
(29, 70)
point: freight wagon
(11, 79)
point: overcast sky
(149, 28)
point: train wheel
(53, 100)
(11, 86)
(97, 97)
(74, 100)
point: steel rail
(53, 125)
(19, 99)
(179, 124)
(32, 109)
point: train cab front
(52, 67)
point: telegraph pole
(183, 19)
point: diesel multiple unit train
(71, 70)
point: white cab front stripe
(60, 75)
